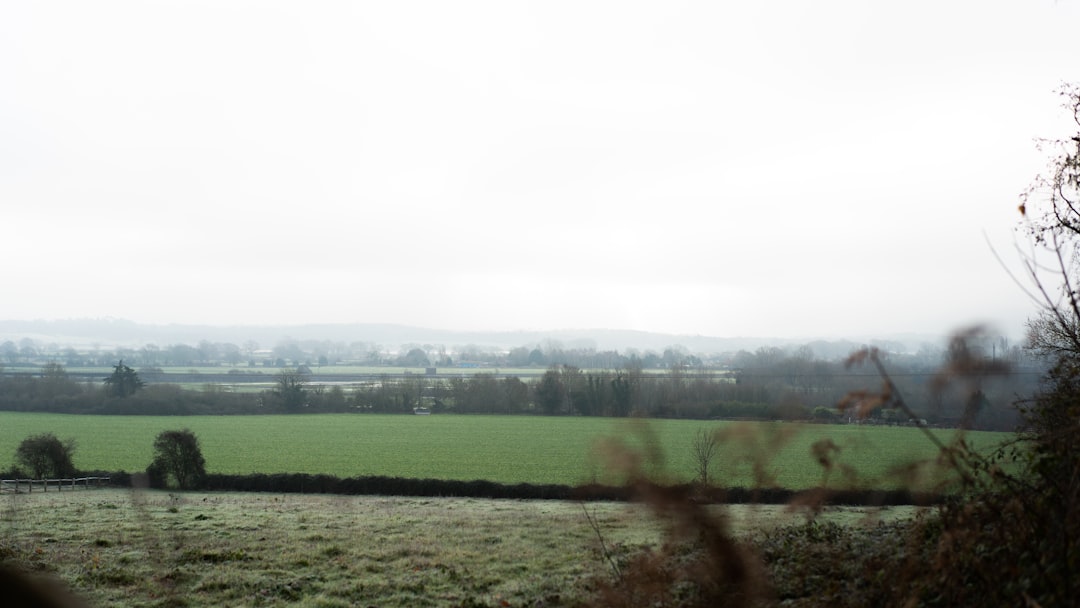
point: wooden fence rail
(27, 485)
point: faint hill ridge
(109, 332)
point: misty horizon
(122, 333)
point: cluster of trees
(178, 459)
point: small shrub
(45, 456)
(177, 457)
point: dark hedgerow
(376, 485)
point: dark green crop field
(509, 449)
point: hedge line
(303, 483)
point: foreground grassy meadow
(147, 548)
(508, 449)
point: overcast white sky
(783, 168)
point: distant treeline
(290, 352)
(772, 386)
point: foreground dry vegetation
(149, 548)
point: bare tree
(703, 451)
(1051, 212)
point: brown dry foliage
(700, 563)
(1002, 539)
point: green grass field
(508, 449)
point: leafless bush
(703, 451)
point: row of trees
(792, 389)
(178, 459)
(788, 388)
